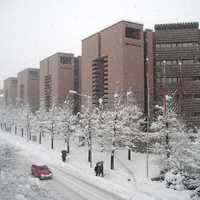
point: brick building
(10, 90)
(177, 68)
(28, 87)
(57, 78)
(113, 58)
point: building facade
(57, 78)
(10, 90)
(113, 58)
(177, 68)
(28, 88)
(77, 83)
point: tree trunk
(40, 138)
(89, 155)
(22, 132)
(129, 154)
(167, 145)
(52, 144)
(112, 160)
(68, 149)
(29, 133)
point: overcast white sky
(31, 30)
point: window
(174, 45)
(174, 62)
(65, 60)
(158, 63)
(14, 81)
(157, 46)
(197, 78)
(133, 33)
(196, 96)
(187, 61)
(196, 113)
(162, 45)
(168, 62)
(179, 45)
(33, 73)
(158, 80)
(175, 80)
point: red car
(42, 172)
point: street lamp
(164, 81)
(180, 86)
(129, 93)
(89, 125)
(148, 116)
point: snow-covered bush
(196, 194)
(178, 150)
(174, 180)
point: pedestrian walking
(99, 169)
(96, 170)
(64, 155)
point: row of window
(175, 45)
(176, 79)
(34, 73)
(167, 80)
(65, 60)
(133, 33)
(177, 62)
(189, 96)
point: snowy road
(71, 181)
(74, 188)
(63, 186)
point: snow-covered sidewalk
(128, 180)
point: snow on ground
(15, 180)
(127, 180)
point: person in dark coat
(96, 170)
(64, 155)
(101, 169)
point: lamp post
(164, 81)
(89, 125)
(165, 114)
(129, 147)
(180, 87)
(148, 118)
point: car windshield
(44, 167)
